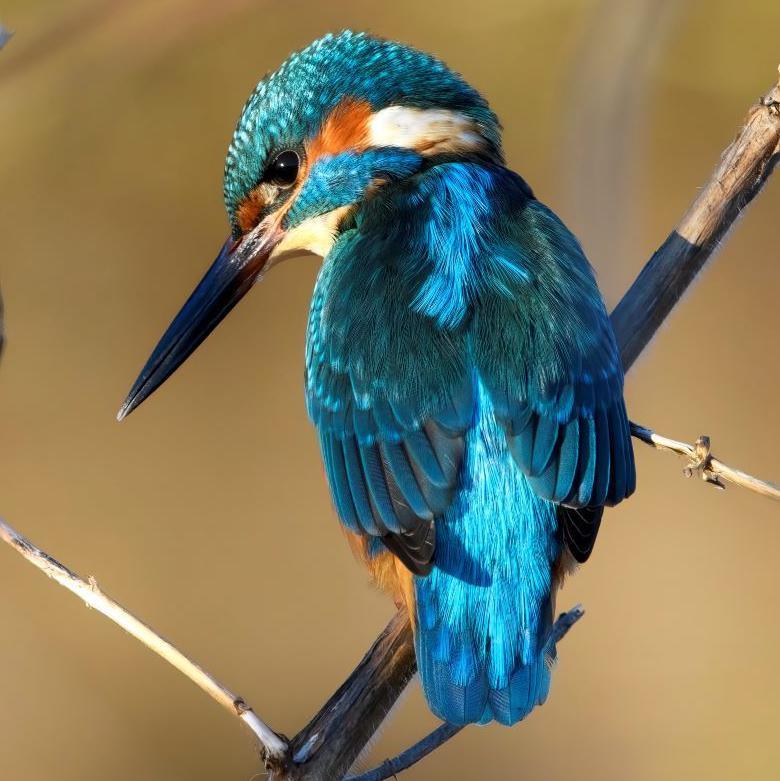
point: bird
(461, 370)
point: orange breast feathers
(387, 572)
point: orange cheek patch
(250, 209)
(345, 128)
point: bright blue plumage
(476, 318)
(482, 637)
(461, 369)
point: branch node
(771, 102)
(701, 463)
(772, 99)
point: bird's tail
(484, 612)
(473, 676)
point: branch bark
(325, 748)
(742, 172)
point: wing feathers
(545, 439)
(398, 468)
(568, 459)
(339, 482)
(422, 455)
(391, 372)
(358, 488)
(603, 461)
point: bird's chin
(316, 235)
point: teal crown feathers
(288, 106)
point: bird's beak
(238, 266)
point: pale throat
(427, 131)
(315, 234)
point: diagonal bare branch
(272, 746)
(326, 748)
(744, 169)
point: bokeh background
(207, 513)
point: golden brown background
(207, 513)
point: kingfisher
(460, 367)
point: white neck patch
(428, 131)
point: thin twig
(565, 622)
(701, 462)
(744, 168)
(445, 732)
(412, 755)
(272, 746)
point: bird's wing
(390, 395)
(545, 349)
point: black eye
(283, 171)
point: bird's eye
(283, 171)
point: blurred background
(207, 511)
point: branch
(444, 732)
(326, 748)
(743, 170)
(406, 759)
(701, 462)
(272, 747)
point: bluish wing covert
(544, 346)
(390, 395)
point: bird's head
(333, 125)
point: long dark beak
(238, 266)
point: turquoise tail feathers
(484, 613)
(457, 681)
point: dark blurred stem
(606, 95)
(743, 170)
